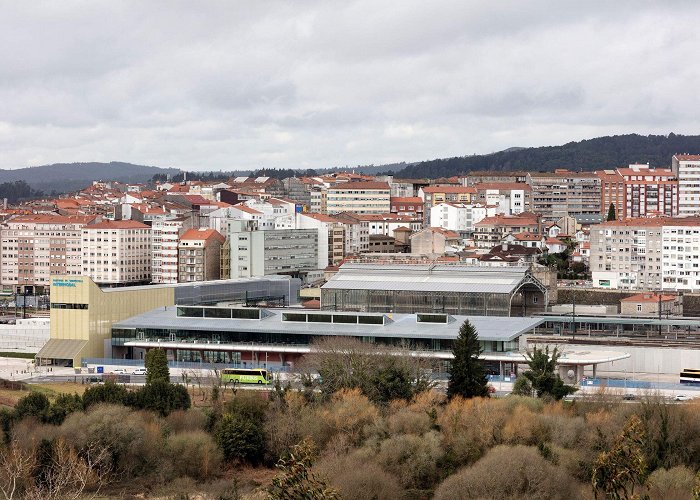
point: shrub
(349, 412)
(249, 405)
(295, 479)
(286, 425)
(193, 419)
(194, 454)
(161, 397)
(407, 421)
(109, 392)
(412, 459)
(357, 478)
(469, 428)
(34, 404)
(64, 405)
(509, 472)
(240, 439)
(675, 483)
(133, 439)
(526, 427)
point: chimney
(504, 246)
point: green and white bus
(245, 376)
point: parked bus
(245, 376)
(690, 376)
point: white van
(139, 371)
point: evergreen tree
(542, 377)
(611, 212)
(467, 378)
(156, 366)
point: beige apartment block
(563, 193)
(36, 247)
(117, 252)
(200, 255)
(359, 197)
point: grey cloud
(214, 84)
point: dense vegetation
(346, 446)
(66, 177)
(594, 154)
(18, 191)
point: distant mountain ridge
(66, 177)
(601, 153)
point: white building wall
(680, 258)
(688, 172)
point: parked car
(682, 397)
(139, 371)
(119, 371)
(629, 397)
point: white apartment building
(117, 252)
(248, 253)
(318, 199)
(459, 216)
(510, 198)
(647, 254)
(331, 237)
(165, 235)
(276, 213)
(386, 224)
(680, 255)
(687, 169)
(359, 197)
(35, 247)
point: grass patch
(22, 355)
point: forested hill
(65, 177)
(593, 154)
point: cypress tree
(467, 378)
(611, 212)
(156, 366)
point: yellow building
(82, 313)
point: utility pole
(573, 316)
(659, 313)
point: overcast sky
(205, 85)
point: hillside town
(634, 228)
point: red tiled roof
(197, 199)
(523, 219)
(320, 217)
(202, 234)
(648, 297)
(360, 185)
(445, 232)
(687, 157)
(118, 224)
(527, 236)
(652, 222)
(406, 199)
(54, 219)
(246, 208)
(502, 186)
(449, 189)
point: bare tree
(381, 372)
(71, 473)
(16, 466)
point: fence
(186, 365)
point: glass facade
(239, 291)
(272, 339)
(413, 301)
